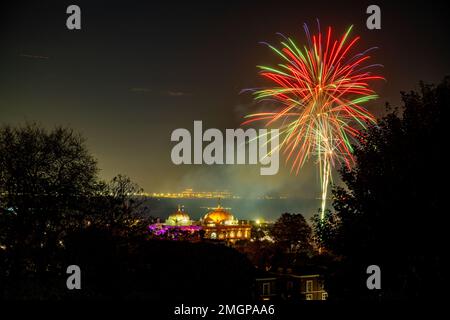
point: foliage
(390, 213)
(292, 233)
(49, 190)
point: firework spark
(317, 92)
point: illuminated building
(178, 226)
(217, 224)
(221, 224)
(179, 218)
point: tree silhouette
(119, 205)
(392, 208)
(44, 178)
(292, 233)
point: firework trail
(317, 92)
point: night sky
(140, 69)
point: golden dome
(179, 217)
(218, 216)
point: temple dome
(179, 217)
(218, 216)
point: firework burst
(317, 92)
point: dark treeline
(391, 211)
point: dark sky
(140, 69)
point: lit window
(266, 288)
(324, 296)
(309, 286)
(309, 296)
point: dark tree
(49, 194)
(120, 205)
(325, 229)
(260, 253)
(45, 176)
(391, 211)
(257, 232)
(292, 233)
